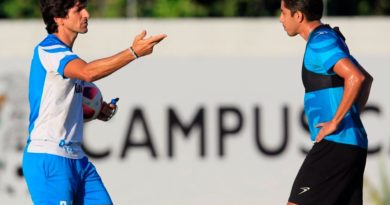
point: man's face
(290, 22)
(77, 19)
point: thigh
(48, 179)
(91, 189)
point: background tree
(194, 8)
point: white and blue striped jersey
(56, 116)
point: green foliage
(382, 7)
(19, 8)
(107, 8)
(208, 8)
(178, 8)
(364, 7)
(194, 8)
(358, 7)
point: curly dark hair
(56, 8)
(312, 9)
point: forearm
(97, 69)
(352, 87)
(101, 68)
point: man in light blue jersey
(336, 91)
(54, 165)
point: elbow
(361, 79)
(366, 79)
(88, 79)
(91, 78)
(357, 80)
(88, 76)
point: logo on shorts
(304, 189)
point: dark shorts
(332, 174)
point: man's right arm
(101, 68)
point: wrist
(132, 51)
(335, 122)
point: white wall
(204, 65)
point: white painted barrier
(213, 117)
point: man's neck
(308, 28)
(67, 37)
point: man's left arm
(364, 93)
(353, 81)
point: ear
(299, 16)
(59, 21)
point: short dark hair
(312, 9)
(56, 8)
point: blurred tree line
(195, 8)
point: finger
(319, 125)
(112, 106)
(157, 38)
(318, 138)
(141, 35)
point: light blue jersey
(55, 102)
(324, 89)
(54, 165)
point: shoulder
(52, 44)
(322, 37)
(49, 40)
(53, 53)
(324, 49)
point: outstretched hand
(327, 128)
(144, 46)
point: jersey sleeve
(324, 50)
(55, 58)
